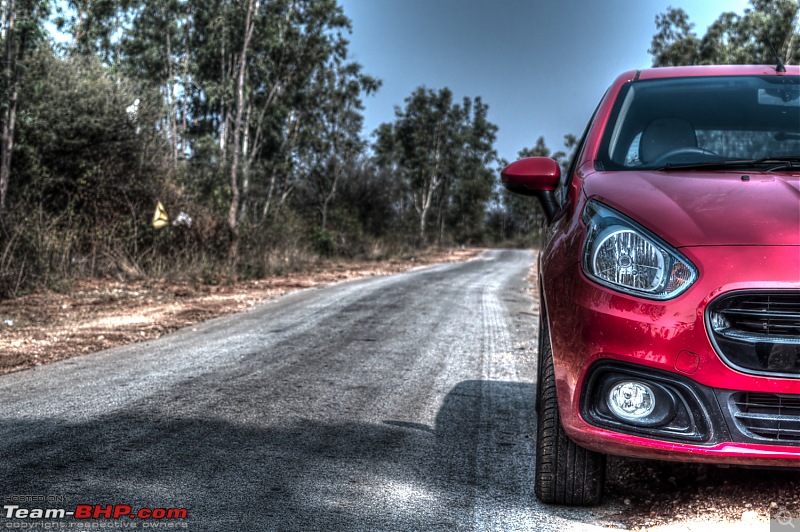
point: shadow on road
(286, 473)
(235, 468)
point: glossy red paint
(532, 173)
(706, 208)
(716, 70)
(596, 323)
(687, 362)
(740, 234)
(741, 454)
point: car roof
(714, 70)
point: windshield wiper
(781, 162)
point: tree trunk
(270, 192)
(186, 84)
(424, 207)
(337, 171)
(245, 165)
(233, 250)
(423, 215)
(291, 140)
(441, 218)
(328, 198)
(223, 113)
(172, 110)
(9, 118)
(78, 30)
(426, 198)
(7, 148)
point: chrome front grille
(768, 416)
(757, 332)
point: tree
(674, 43)
(81, 149)
(249, 25)
(471, 180)
(432, 144)
(22, 32)
(334, 125)
(240, 73)
(223, 108)
(519, 218)
(150, 51)
(293, 75)
(732, 38)
(258, 103)
(93, 24)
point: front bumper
(594, 326)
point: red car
(670, 278)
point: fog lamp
(631, 400)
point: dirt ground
(675, 497)
(98, 314)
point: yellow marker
(160, 218)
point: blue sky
(542, 66)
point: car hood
(705, 208)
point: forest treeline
(243, 119)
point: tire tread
(566, 473)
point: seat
(663, 135)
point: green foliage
(141, 104)
(441, 151)
(331, 136)
(322, 242)
(732, 38)
(80, 151)
(91, 24)
(517, 220)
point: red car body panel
(715, 70)
(604, 324)
(706, 208)
(740, 234)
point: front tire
(566, 473)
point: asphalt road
(392, 403)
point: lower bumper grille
(768, 416)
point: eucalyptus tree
(252, 80)
(419, 144)
(471, 178)
(151, 50)
(332, 135)
(94, 26)
(300, 45)
(241, 68)
(22, 32)
(434, 146)
(145, 40)
(732, 38)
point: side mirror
(534, 176)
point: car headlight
(621, 254)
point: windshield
(680, 121)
